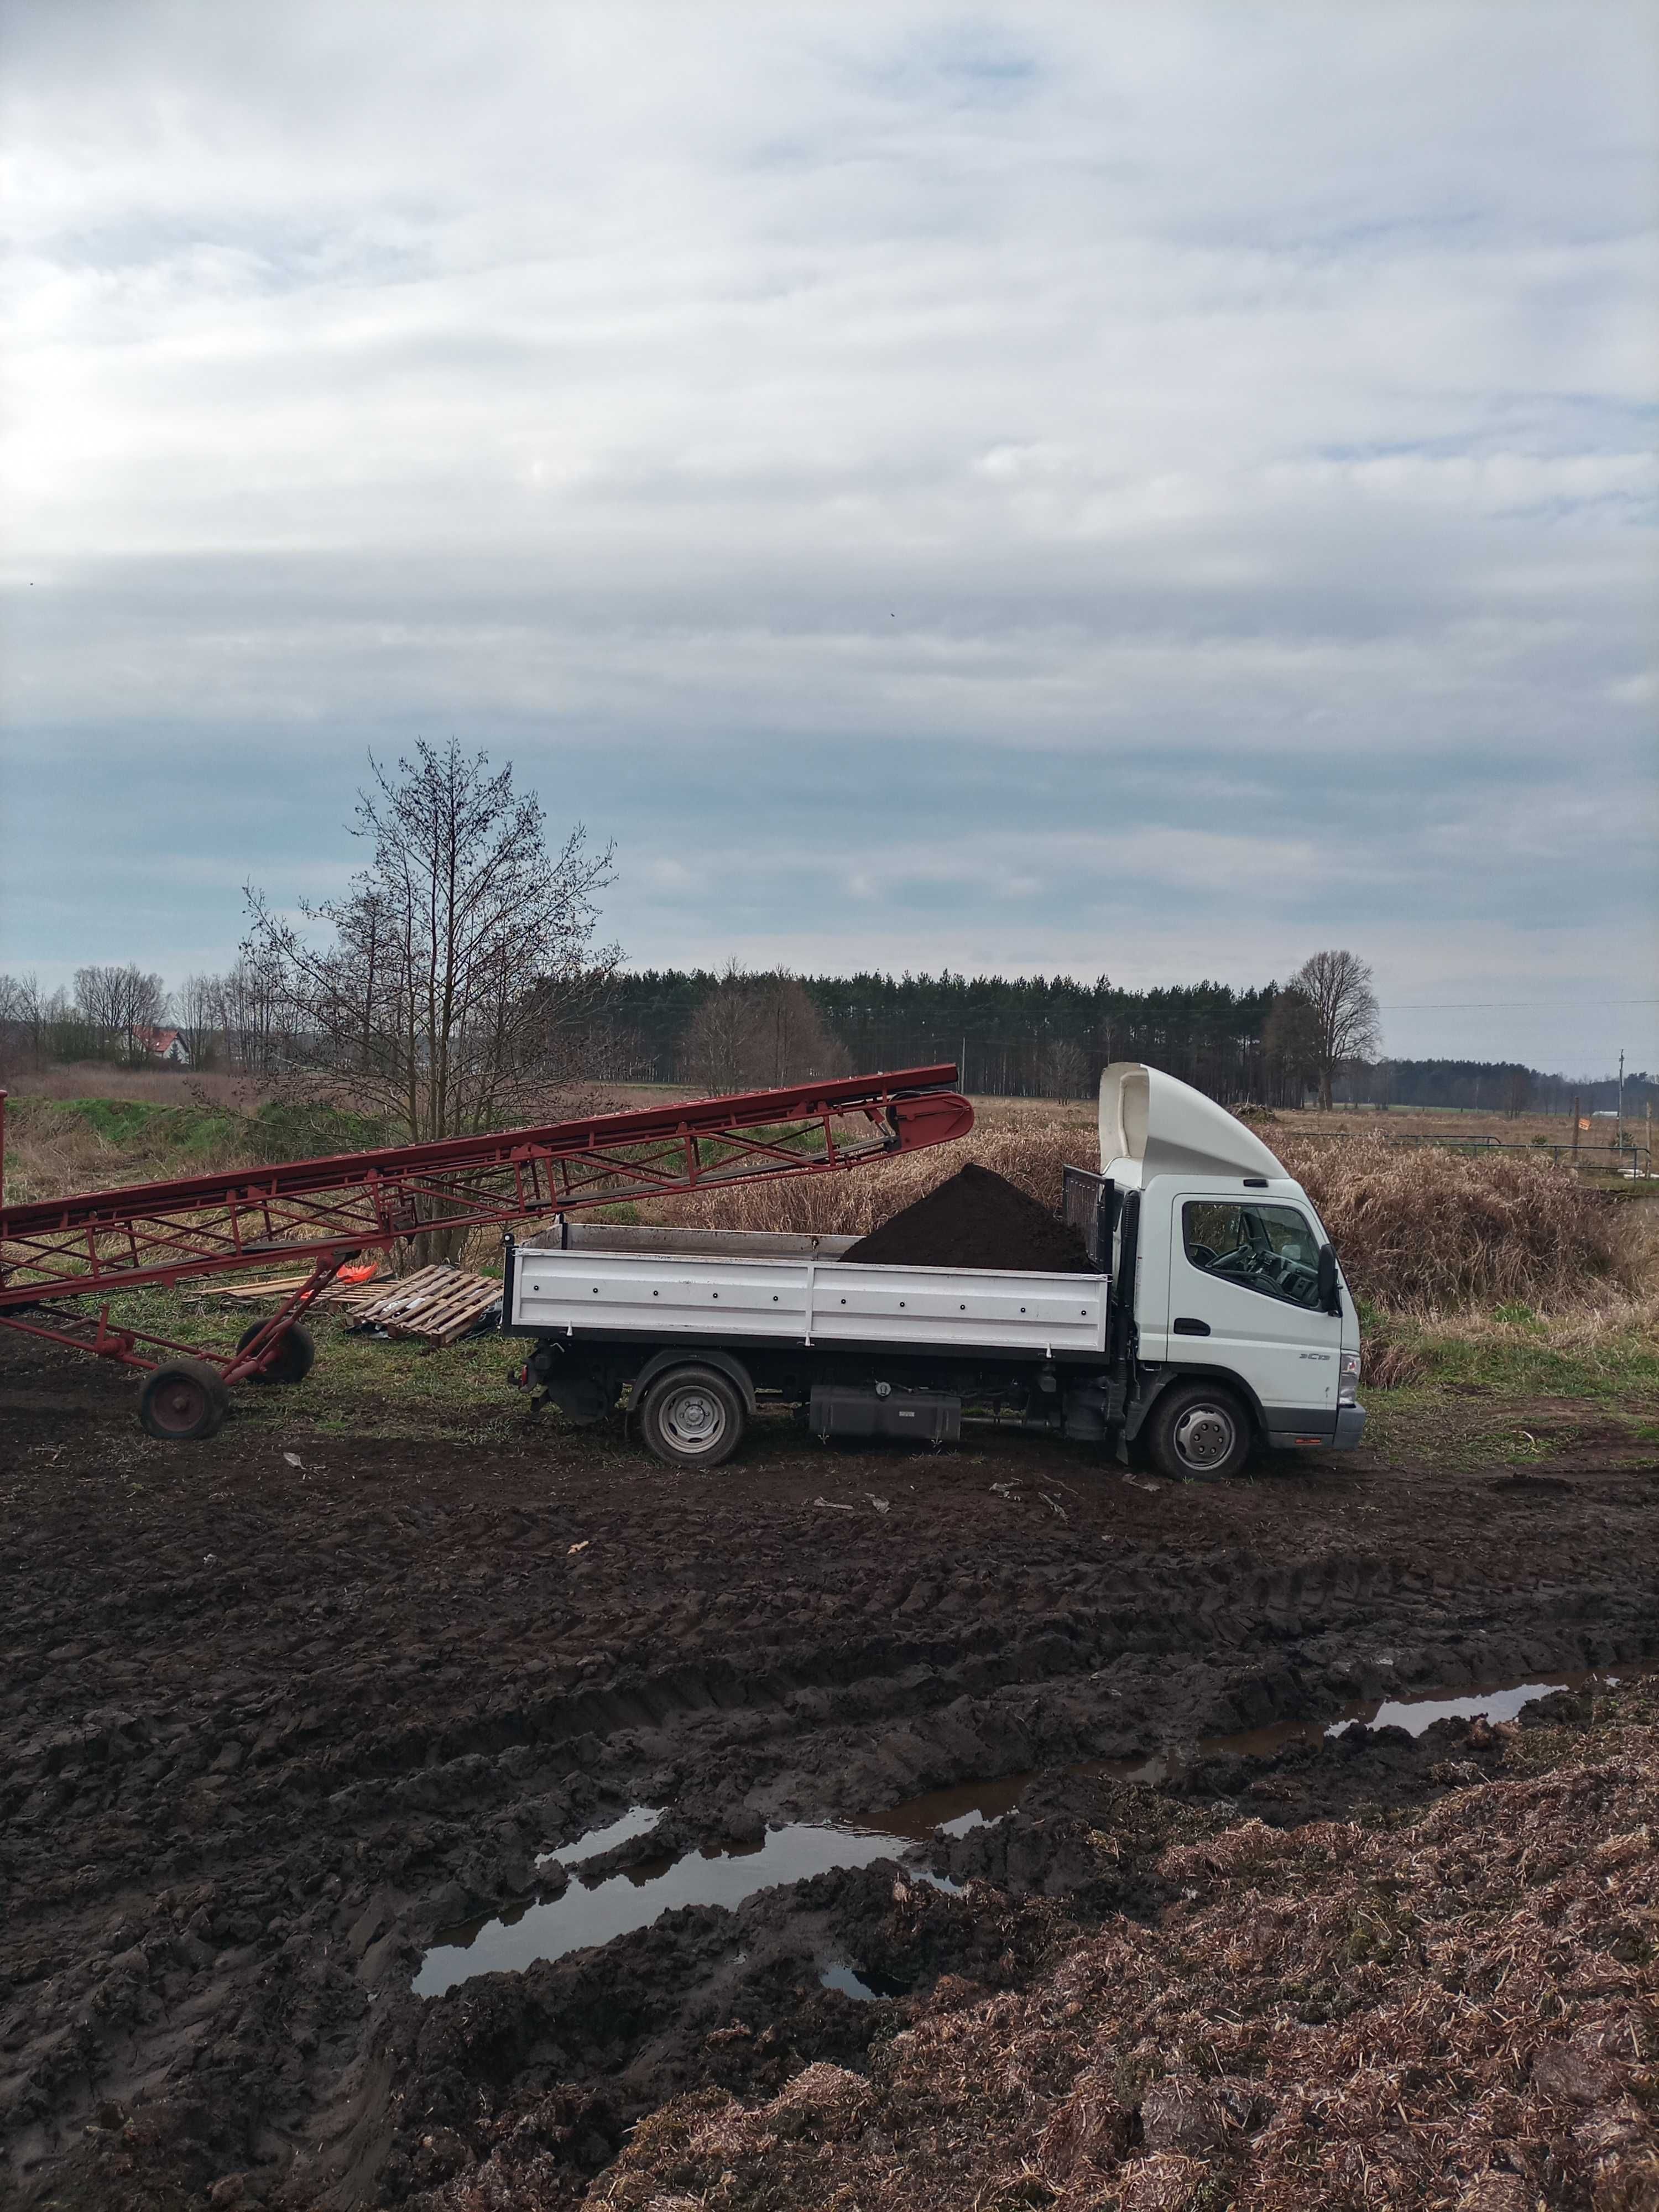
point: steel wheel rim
(179, 1404)
(694, 1420)
(1204, 1436)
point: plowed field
(272, 1718)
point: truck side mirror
(1327, 1297)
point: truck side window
(1270, 1248)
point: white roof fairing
(1167, 1128)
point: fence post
(1575, 1128)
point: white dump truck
(1216, 1320)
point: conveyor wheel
(295, 1352)
(183, 1400)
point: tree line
(458, 982)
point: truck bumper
(1350, 1426)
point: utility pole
(1575, 1128)
(1620, 1124)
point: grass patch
(361, 1385)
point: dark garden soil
(976, 1220)
(273, 1719)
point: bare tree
(1290, 1045)
(116, 1004)
(445, 988)
(198, 1007)
(717, 1049)
(252, 1019)
(1065, 1068)
(22, 1018)
(753, 1031)
(1342, 1006)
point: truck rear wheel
(1199, 1430)
(692, 1417)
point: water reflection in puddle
(637, 1820)
(726, 1875)
(721, 1874)
(863, 1983)
(975, 1804)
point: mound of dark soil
(977, 1220)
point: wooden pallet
(282, 1286)
(437, 1304)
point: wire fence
(1628, 1159)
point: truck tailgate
(806, 1301)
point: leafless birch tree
(442, 990)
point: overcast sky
(1150, 490)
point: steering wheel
(1201, 1255)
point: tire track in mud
(264, 1737)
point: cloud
(917, 457)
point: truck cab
(1240, 1310)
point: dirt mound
(977, 1220)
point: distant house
(163, 1044)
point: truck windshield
(1270, 1248)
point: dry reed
(1420, 1232)
(1029, 1154)
(1425, 1232)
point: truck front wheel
(692, 1417)
(1199, 1429)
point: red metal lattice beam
(101, 1242)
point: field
(282, 1711)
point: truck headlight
(1347, 1387)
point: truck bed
(667, 1283)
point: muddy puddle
(592, 1913)
(971, 1805)
(723, 1873)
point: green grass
(1508, 1394)
(1623, 1365)
(1483, 1398)
(361, 1385)
(277, 1131)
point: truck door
(1244, 1295)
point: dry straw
(1429, 1232)
(1420, 1232)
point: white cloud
(1264, 390)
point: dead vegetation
(1028, 1152)
(1461, 2013)
(1432, 1231)
(1421, 1232)
(1485, 1243)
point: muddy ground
(274, 1715)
